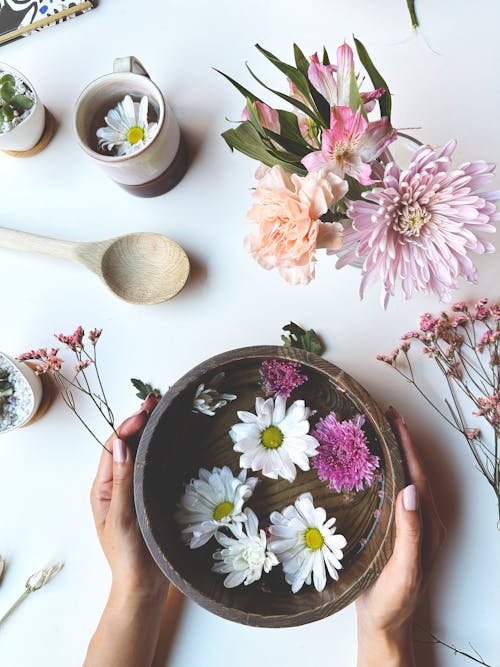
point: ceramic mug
(27, 134)
(156, 167)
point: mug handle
(129, 64)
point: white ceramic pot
(28, 133)
(29, 386)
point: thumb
(407, 546)
(122, 503)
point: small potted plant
(20, 394)
(22, 114)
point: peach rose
(288, 230)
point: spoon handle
(14, 239)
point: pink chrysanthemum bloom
(280, 377)
(421, 223)
(343, 459)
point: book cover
(19, 18)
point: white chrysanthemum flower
(214, 500)
(274, 440)
(244, 556)
(208, 399)
(127, 127)
(304, 542)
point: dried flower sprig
(465, 346)
(34, 583)
(84, 377)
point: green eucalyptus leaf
(243, 91)
(296, 103)
(21, 102)
(7, 90)
(305, 340)
(376, 78)
(8, 112)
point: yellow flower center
(313, 538)
(411, 219)
(135, 134)
(222, 510)
(271, 437)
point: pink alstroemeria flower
(333, 82)
(322, 78)
(268, 117)
(351, 144)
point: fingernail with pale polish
(410, 498)
(119, 451)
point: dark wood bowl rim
(365, 403)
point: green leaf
(7, 78)
(305, 340)
(354, 96)
(253, 117)
(300, 60)
(8, 112)
(144, 389)
(289, 127)
(7, 90)
(296, 103)
(289, 71)
(376, 78)
(2, 117)
(21, 102)
(289, 145)
(243, 91)
(326, 57)
(247, 140)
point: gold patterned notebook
(19, 18)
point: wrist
(385, 647)
(138, 598)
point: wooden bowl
(177, 442)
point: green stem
(16, 604)
(413, 14)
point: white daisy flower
(207, 399)
(274, 440)
(214, 500)
(304, 542)
(127, 127)
(245, 555)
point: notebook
(18, 18)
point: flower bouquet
(328, 178)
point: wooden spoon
(140, 268)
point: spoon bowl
(144, 268)
(140, 268)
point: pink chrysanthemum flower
(280, 377)
(421, 223)
(343, 459)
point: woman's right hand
(385, 610)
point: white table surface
(448, 86)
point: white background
(447, 84)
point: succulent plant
(11, 104)
(6, 387)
